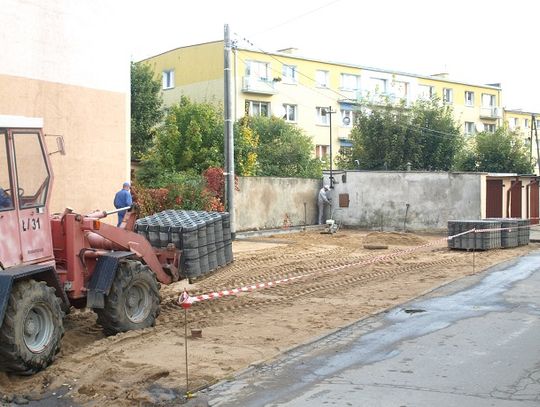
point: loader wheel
(32, 328)
(133, 301)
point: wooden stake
(186, 345)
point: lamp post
(329, 112)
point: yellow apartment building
(303, 91)
(527, 125)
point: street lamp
(328, 111)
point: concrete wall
(269, 203)
(379, 199)
(66, 62)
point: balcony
(344, 133)
(490, 112)
(262, 86)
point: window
(401, 89)
(32, 172)
(321, 78)
(469, 127)
(6, 199)
(346, 118)
(256, 108)
(257, 69)
(350, 82)
(290, 113)
(488, 100)
(469, 98)
(448, 95)
(377, 85)
(526, 123)
(425, 92)
(289, 74)
(490, 128)
(168, 79)
(537, 124)
(323, 118)
(322, 151)
(514, 123)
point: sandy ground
(339, 282)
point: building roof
(371, 68)
(287, 54)
(519, 111)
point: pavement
(471, 343)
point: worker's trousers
(321, 213)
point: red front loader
(50, 263)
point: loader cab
(25, 179)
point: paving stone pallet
(204, 238)
(474, 241)
(509, 236)
(516, 233)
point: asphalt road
(474, 343)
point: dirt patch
(394, 238)
(336, 282)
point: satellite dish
(280, 111)
(346, 120)
(479, 127)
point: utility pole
(533, 126)
(229, 135)
(531, 139)
(329, 112)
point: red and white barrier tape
(252, 287)
(247, 288)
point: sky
(478, 41)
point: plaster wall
(407, 200)
(269, 203)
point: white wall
(65, 61)
(75, 42)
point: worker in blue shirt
(123, 199)
(5, 199)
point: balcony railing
(490, 112)
(252, 84)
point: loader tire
(133, 301)
(32, 329)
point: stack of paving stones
(509, 236)
(204, 238)
(524, 233)
(474, 241)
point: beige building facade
(52, 68)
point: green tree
(500, 151)
(246, 142)
(390, 136)
(190, 139)
(146, 108)
(439, 135)
(284, 150)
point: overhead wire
(271, 55)
(297, 17)
(312, 89)
(293, 97)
